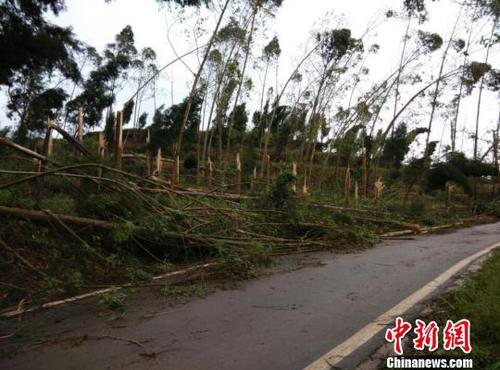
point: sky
(96, 22)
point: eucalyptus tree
(239, 117)
(433, 42)
(492, 39)
(143, 68)
(455, 103)
(397, 146)
(222, 69)
(198, 74)
(412, 9)
(29, 42)
(334, 46)
(223, 64)
(166, 125)
(270, 55)
(267, 7)
(229, 85)
(37, 57)
(100, 88)
(31, 102)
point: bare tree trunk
(400, 69)
(481, 86)
(436, 91)
(214, 101)
(278, 98)
(242, 79)
(196, 79)
(263, 133)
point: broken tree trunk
(119, 139)
(356, 193)
(159, 164)
(210, 173)
(253, 179)
(294, 173)
(43, 216)
(80, 125)
(71, 140)
(238, 174)
(102, 145)
(148, 154)
(22, 149)
(365, 173)
(177, 170)
(347, 186)
(378, 187)
(268, 169)
(48, 143)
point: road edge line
(94, 293)
(346, 348)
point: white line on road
(343, 350)
(20, 310)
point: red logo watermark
(456, 335)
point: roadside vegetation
(478, 300)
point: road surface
(282, 321)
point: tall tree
(28, 42)
(101, 87)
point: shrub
(190, 162)
(113, 301)
(417, 208)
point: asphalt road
(282, 321)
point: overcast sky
(97, 22)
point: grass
(478, 300)
(113, 301)
(194, 290)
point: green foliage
(342, 218)
(195, 290)
(493, 208)
(59, 203)
(234, 265)
(457, 169)
(241, 264)
(109, 206)
(232, 32)
(478, 300)
(259, 254)
(186, 3)
(166, 125)
(417, 208)
(140, 275)
(272, 50)
(128, 110)
(113, 301)
(100, 88)
(74, 278)
(32, 103)
(470, 167)
(190, 162)
(430, 41)
(441, 173)
(415, 7)
(240, 119)
(123, 232)
(29, 44)
(474, 72)
(334, 44)
(281, 193)
(398, 145)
